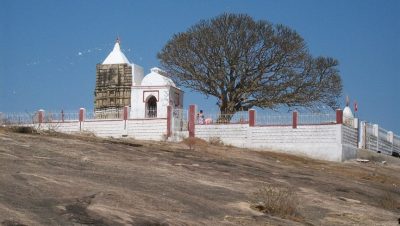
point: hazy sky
(49, 49)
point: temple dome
(157, 78)
(347, 113)
(116, 56)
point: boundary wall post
(192, 118)
(252, 117)
(169, 118)
(81, 117)
(339, 116)
(126, 113)
(294, 120)
(40, 116)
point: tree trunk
(226, 113)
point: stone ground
(57, 179)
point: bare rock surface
(76, 180)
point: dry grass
(19, 129)
(215, 141)
(192, 142)
(275, 200)
(375, 158)
(388, 201)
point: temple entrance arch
(151, 107)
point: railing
(286, 119)
(396, 145)
(18, 118)
(60, 116)
(105, 114)
(380, 140)
(382, 133)
(241, 117)
(371, 138)
(282, 119)
(384, 143)
(267, 119)
(68, 116)
(316, 118)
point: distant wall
(327, 142)
(150, 129)
(143, 129)
(232, 134)
(375, 138)
(317, 141)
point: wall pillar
(362, 135)
(81, 117)
(40, 116)
(294, 119)
(390, 137)
(62, 115)
(192, 118)
(375, 131)
(126, 114)
(252, 117)
(169, 120)
(339, 116)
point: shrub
(192, 142)
(215, 141)
(23, 129)
(275, 200)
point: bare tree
(247, 63)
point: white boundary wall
(326, 142)
(375, 138)
(141, 129)
(335, 142)
(231, 134)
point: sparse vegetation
(388, 201)
(22, 129)
(192, 142)
(275, 200)
(215, 141)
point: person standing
(200, 117)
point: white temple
(153, 94)
(150, 94)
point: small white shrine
(150, 94)
(153, 94)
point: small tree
(247, 63)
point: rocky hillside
(55, 179)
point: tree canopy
(247, 63)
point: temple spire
(116, 56)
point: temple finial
(347, 101)
(118, 40)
